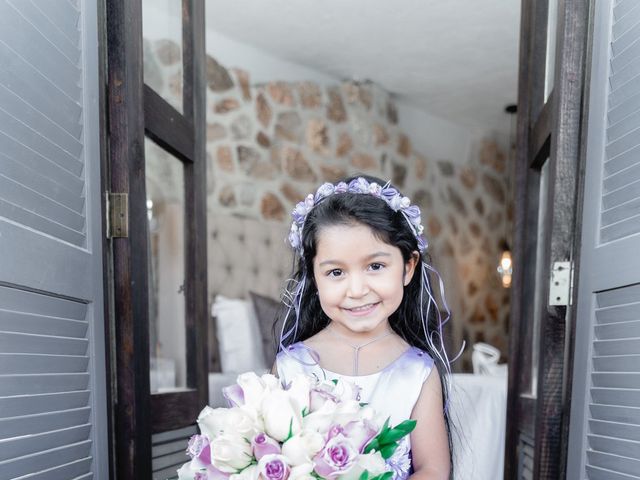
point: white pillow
(240, 344)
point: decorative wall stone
(345, 144)
(226, 105)
(168, 52)
(281, 93)
(364, 161)
(335, 108)
(243, 80)
(468, 177)
(332, 173)
(310, 95)
(224, 158)
(457, 202)
(392, 113)
(271, 207)
(494, 188)
(478, 204)
(263, 110)
(404, 145)
(227, 197)
(399, 175)
(289, 126)
(218, 78)
(317, 136)
(357, 94)
(215, 131)
(297, 166)
(241, 128)
(420, 168)
(263, 140)
(434, 226)
(380, 135)
(291, 193)
(248, 157)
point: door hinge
(117, 205)
(561, 284)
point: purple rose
(325, 190)
(262, 444)
(274, 467)
(336, 458)
(388, 193)
(413, 213)
(234, 395)
(341, 188)
(199, 449)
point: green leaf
(407, 426)
(383, 476)
(305, 411)
(387, 450)
(364, 475)
(374, 444)
(290, 434)
(392, 436)
(363, 404)
(335, 381)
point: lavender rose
(274, 467)
(337, 457)
(262, 444)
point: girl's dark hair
(390, 227)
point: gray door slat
(621, 212)
(36, 181)
(616, 380)
(616, 396)
(21, 322)
(620, 330)
(623, 144)
(175, 460)
(618, 296)
(13, 299)
(41, 224)
(42, 383)
(25, 364)
(621, 229)
(30, 85)
(34, 119)
(45, 58)
(626, 40)
(618, 313)
(169, 447)
(617, 363)
(44, 23)
(38, 404)
(624, 57)
(628, 346)
(622, 161)
(46, 422)
(30, 343)
(622, 8)
(19, 447)
(629, 466)
(19, 132)
(34, 161)
(45, 460)
(75, 470)
(614, 446)
(628, 124)
(64, 16)
(39, 204)
(625, 23)
(615, 413)
(620, 112)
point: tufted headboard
(247, 255)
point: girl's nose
(358, 286)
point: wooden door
(157, 176)
(548, 173)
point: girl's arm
(429, 440)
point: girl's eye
(376, 266)
(336, 272)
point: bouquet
(310, 430)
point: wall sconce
(505, 267)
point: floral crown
(391, 196)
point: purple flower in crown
(295, 237)
(341, 188)
(375, 189)
(422, 243)
(388, 193)
(358, 185)
(299, 213)
(324, 191)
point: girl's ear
(410, 267)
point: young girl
(361, 307)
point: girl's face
(360, 278)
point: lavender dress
(393, 391)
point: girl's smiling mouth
(363, 309)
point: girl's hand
(429, 440)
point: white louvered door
(53, 422)
(605, 412)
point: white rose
(322, 419)
(301, 448)
(347, 411)
(186, 472)
(302, 472)
(230, 453)
(280, 415)
(372, 462)
(299, 391)
(249, 473)
(217, 421)
(253, 388)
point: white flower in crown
(375, 189)
(325, 190)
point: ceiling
(456, 59)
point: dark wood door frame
(547, 131)
(135, 109)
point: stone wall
(269, 145)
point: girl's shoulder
(416, 363)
